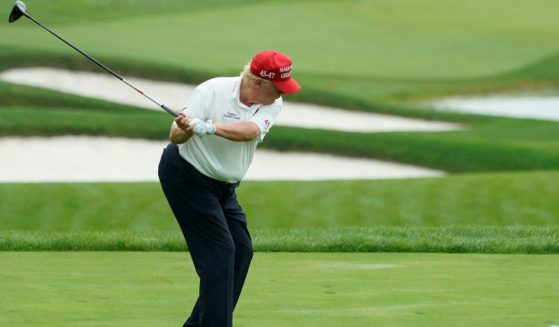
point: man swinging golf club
(212, 144)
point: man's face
(266, 92)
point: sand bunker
(532, 107)
(174, 95)
(95, 159)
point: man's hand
(180, 130)
(202, 128)
(183, 122)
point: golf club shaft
(162, 106)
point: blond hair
(249, 77)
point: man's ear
(257, 83)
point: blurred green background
(376, 56)
(384, 56)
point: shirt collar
(236, 94)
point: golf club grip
(107, 69)
(169, 110)
(160, 105)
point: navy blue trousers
(215, 229)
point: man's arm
(238, 132)
(180, 130)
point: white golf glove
(201, 128)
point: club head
(17, 11)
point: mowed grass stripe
(502, 199)
(283, 289)
(449, 39)
(512, 239)
(501, 145)
(455, 47)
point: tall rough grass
(457, 239)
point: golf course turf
(283, 289)
(110, 254)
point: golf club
(20, 9)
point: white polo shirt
(216, 157)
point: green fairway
(158, 289)
(367, 50)
(360, 55)
(503, 199)
(386, 55)
(477, 248)
(473, 42)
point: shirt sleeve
(195, 106)
(266, 117)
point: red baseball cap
(276, 67)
